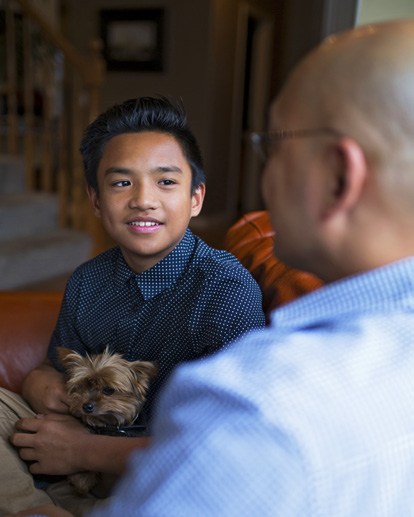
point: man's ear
(347, 176)
(94, 199)
(197, 199)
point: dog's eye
(108, 391)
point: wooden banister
(67, 86)
(83, 65)
(11, 83)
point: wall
(372, 11)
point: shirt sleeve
(232, 307)
(213, 453)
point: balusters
(51, 92)
(11, 81)
(28, 97)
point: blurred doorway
(255, 29)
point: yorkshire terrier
(107, 393)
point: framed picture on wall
(133, 39)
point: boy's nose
(143, 197)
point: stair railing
(49, 93)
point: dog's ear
(145, 370)
(68, 358)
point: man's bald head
(362, 83)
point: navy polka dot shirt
(192, 303)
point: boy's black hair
(157, 114)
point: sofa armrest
(27, 320)
(251, 240)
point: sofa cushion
(28, 319)
(251, 240)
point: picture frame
(133, 39)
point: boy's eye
(108, 391)
(121, 183)
(167, 182)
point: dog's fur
(104, 390)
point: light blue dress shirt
(313, 416)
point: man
(313, 416)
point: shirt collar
(162, 275)
(389, 286)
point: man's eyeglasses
(262, 142)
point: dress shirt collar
(162, 275)
(377, 289)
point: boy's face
(145, 199)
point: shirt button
(135, 307)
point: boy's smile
(145, 200)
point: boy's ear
(346, 179)
(197, 199)
(94, 199)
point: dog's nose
(88, 407)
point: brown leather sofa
(27, 318)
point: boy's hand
(44, 389)
(52, 442)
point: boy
(161, 295)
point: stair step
(26, 214)
(12, 174)
(45, 256)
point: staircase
(33, 248)
(49, 92)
